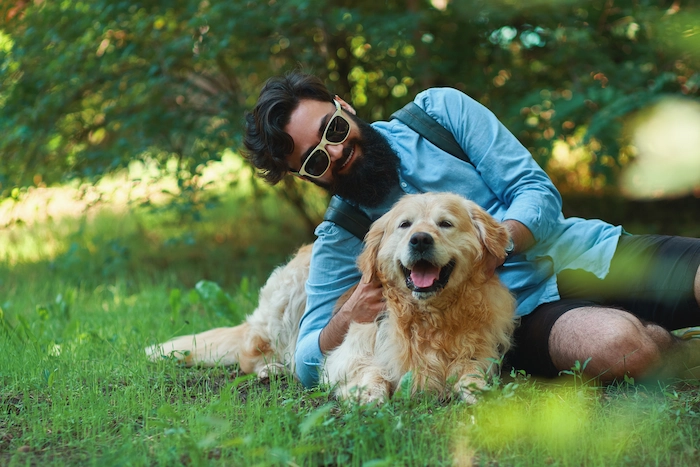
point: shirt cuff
(308, 359)
(535, 218)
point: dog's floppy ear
(367, 261)
(493, 235)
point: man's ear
(346, 107)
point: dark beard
(372, 176)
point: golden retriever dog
(447, 319)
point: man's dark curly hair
(265, 140)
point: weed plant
(76, 388)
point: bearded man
(586, 290)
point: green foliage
(219, 303)
(87, 87)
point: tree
(89, 86)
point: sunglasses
(319, 160)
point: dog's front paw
(373, 395)
(467, 396)
(270, 370)
(468, 387)
(364, 395)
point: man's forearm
(363, 306)
(334, 332)
(521, 235)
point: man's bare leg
(620, 344)
(616, 342)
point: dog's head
(428, 242)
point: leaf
(24, 326)
(405, 388)
(167, 412)
(175, 304)
(193, 297)
(43, 312)
(214, 299)
(379, 462)
(49, 376)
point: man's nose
(335, 151)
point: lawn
(80, 297)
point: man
(585, 289)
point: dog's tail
(220, 346)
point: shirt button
(403, 184)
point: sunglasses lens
(317, 163)
(337, 130)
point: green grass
(76, 388)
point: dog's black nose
(421, 241)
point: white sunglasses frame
(322, 145)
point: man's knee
(614, 342)
(635, 349)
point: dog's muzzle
(422, 273)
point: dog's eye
(445, 224)
(404, 224)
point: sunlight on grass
(557, 420)
(565, 424)
(137, 220)
(120, 191)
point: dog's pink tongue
(424, 274)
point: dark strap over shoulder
(348, 217)
(351, 218)
(419, 121)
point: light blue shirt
(504, 180)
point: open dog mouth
(425, 277)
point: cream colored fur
(450, 335)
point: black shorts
(651, 276)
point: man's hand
(491, 263)
(365, 303)
(522, 240)
(363, 306)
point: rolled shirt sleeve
(333, 271)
